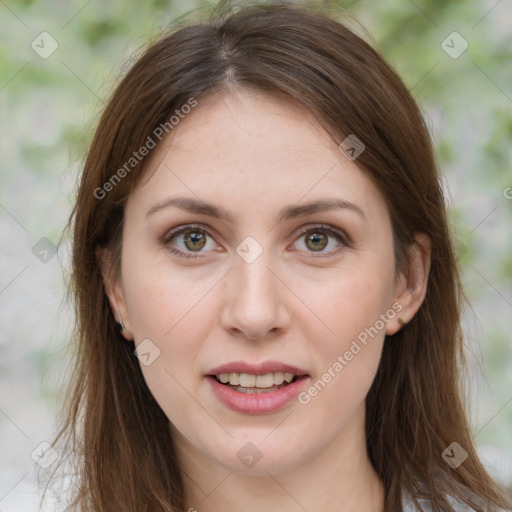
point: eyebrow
(289, 212)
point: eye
(317, 238)
(192, 240)
(189, 239)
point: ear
(411, 285)
(114, 291)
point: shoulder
(424, 505)
(454, 493)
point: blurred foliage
(50, 106)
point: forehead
(233, 126)
(248, 145)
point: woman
(266, 290)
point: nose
(254, 300)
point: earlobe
(114, 292)
(411, 286)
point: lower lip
(257, 403)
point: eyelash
(342, 238)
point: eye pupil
(319, 241)
(194, 237)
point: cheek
(160, 298)
(346, 304)
(173, 315)
(351, 307)
(168, 308)
(347, 360)
(177, 323)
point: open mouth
(252, 384)
(257, 390)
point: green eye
(191, 239)
(194, 240)
(317, 238)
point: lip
(257, 403)
(256, 368)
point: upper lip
(256, 368)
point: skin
(253, 154)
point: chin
(256, 455)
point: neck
(339, 477)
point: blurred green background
(59, 62)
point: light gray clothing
(409, 506)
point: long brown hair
(112, 428)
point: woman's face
(248, 279)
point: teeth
(248, 380)
(288, 377)
(278, 378)
(264, 381)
